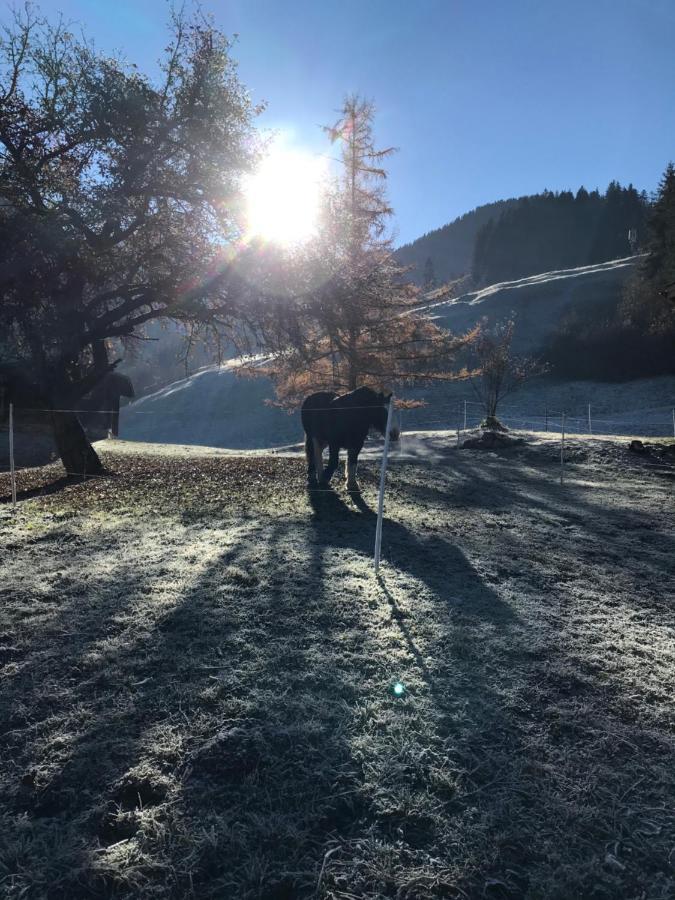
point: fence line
(143, 412)
(564, 423)
(130, 408)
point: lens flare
(398, 689)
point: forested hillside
(558, 231)
(451, 247)
(633, 334)
(524, 236)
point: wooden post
(590, 427)
(562, 450)
(12, 473)
(546, 418)
(465, 415)
(383, 475)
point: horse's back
(314, 413)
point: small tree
(346, 315)
(500, 372)
(115, 203)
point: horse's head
(380, 412)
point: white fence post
(562, 450)
(383, 475)
(12, 473)
(590, 427)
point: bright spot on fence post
(398, 689)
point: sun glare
(282, 196)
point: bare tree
(499, 371)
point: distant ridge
(451, 247)
(522, 236)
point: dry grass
(197, 665)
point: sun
(282, 196)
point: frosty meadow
(227, 673)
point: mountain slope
(217, 408)
(537, 302)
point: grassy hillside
(198, 666)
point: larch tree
(344, 314)
(118, 203)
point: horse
(341, 422)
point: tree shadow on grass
(221, 742)
(212, 742)
(246, 729)
(487, 488)
(52, 487)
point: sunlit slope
(213, 408)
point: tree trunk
(77, 454)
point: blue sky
(486, 99)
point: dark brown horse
(341, 423)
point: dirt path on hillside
(198, 668)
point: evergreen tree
(452, 247)
(659, 266)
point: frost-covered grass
(197, 671)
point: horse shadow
(448, 579)
(428, 557)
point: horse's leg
(333, 461)
(317, 447)
(309, 453)
(352, 459)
